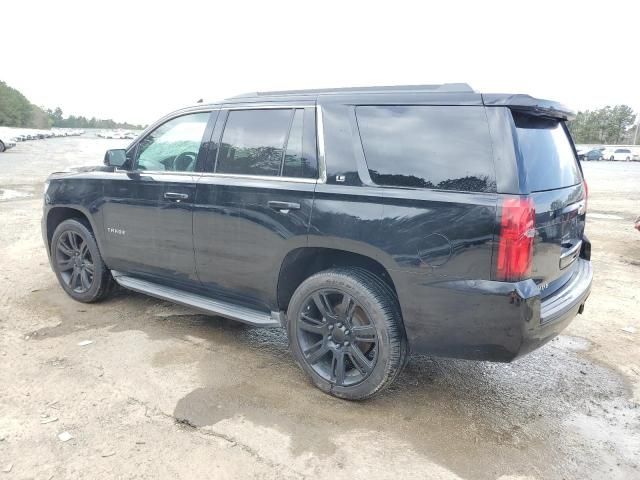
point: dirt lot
(166, 393)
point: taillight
(586, 194)
(515, 244)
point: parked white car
(620, 154)
(6, 143)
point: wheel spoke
(65, 265)
(73, 240)
(84, 279)
(74, 279)
(323, 304)
(338, 367)
(64, 248)
(316, 351)
(364, 333)
(89, 267)
(84, 249)
(360, 361)
(347, 306)
(311, 325)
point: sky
(135, 60)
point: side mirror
(116, 157)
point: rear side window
(253, 142)
(445, 148)
(548, 159)
(269, 142)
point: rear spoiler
(529, 105)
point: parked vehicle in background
(620, 154)
(369, 223)
(6, 143)
(590, 155)
(20, 137)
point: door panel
(148, 211)
(146, 233)
(240, 240)
(245, 222)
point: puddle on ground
(469, 416)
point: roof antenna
(199, 101)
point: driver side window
(174, 145)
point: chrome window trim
(261, 106)
(158, 172)
(322, 167)
(260, 177)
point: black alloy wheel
(77, 262)
(345, 331)
(74, 262)
(338, 339)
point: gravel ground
(163, 392)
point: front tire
(78, 264)
(2, 147)
(345, 331)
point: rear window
(444, 148)
(548, 159)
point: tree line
(17, 111)
(609, 125)
(58, 120)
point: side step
(199, 302)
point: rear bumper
(488, 320)
(557, 311)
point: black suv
(369, 222)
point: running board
(199, 302)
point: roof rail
(442, 88)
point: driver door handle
(283, 205)
(175, 196)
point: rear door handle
(175, 196)
(283, 205)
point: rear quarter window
(548, 159)
(437, 147)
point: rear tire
(77, 262)
(345, 331)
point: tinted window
(295, 165)
(622, 150)
(549, 161)
(445, 148)
(253, 142)
(174, 145)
